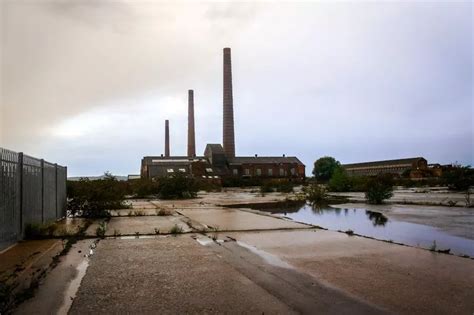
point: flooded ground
(377, 225)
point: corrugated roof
(264, 160)
(385, 162)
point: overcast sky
(88, 84)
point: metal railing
(31, 191)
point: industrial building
(219, 161)
(416, 167)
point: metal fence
(31, 191)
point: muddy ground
(241, 261)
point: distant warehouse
(416, 167)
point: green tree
(324, 168)
(379, 188)
(340, 181)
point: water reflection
(377, 218)
(377, 225)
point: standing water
(376, 225)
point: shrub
(92, 198)
(459, 178)
(177, 186)
(340, 181)
(379, 188)
(315, 194)
(142, 188)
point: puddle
(135, 237)
(73, 287)
(375, 224)
(269, 258)
(204, 241)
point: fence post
(42, 190)
(20, 166)
(56, 188)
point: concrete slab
(144, 225)
(399, 278)
(172, 275)
(233, 219)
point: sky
(88, 84)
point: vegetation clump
(177, 186)
(283, 186)
(92, 198)
(176, 229)
(316, 194)
(101, 229)
(379, 188)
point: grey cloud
(359, 81)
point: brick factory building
(416, 167)
(220, 161)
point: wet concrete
(25, 254)
(233, 219)
(454, 220)
(169, 275)
(298, 290)
(56, 292)
(144, 225)
(398, 278)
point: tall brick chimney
(191, 135)
(228, 128)
(167, 138)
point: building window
(182, 170)
(235, 171)
(209, 170)
(170, 170)
(247, 171)
(292, 171)
(270, 172)
(259, 172)
(282, 172)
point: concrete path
(168, 275)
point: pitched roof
(264, 160)
(407, 161)
(215, 148)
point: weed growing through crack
(100, 231)
(162, 212)
(176, 230)
(215, 233)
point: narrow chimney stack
(167, 138)
(228, 126)
(191, 134)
